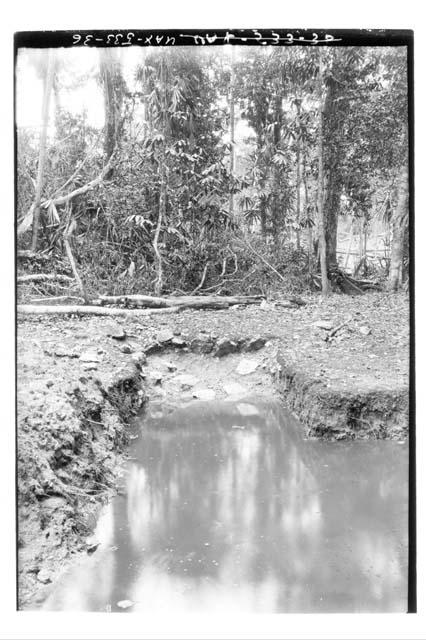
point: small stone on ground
(204, 394)
(234, 389)
(247, 366)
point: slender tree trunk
(56, 97)
(348, 252)
(263, 218)
(306, 210)
(48, 84)
(112, 83)
(321, 223)
(162, 203)
(332, 161)
(298, 199)
(232, 128)
(262, 205)
(66, 237)
(276, 213)
(298, 178)
(399, 232)
(331, 214)
(161, 214)
(365, 226)
(361, 240)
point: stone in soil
(247, 366)
(90, 356)
(61, 351)
(204, 394)
(203, 343)
(225, 346)
(44, 576)
(127, 348)
(165, 337)
(365, 331)
(254, 344)
(115, 331)
(186, 381)
(234, 389)
(323, 324)
(139, 358)
(155, 377)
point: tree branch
(28, 218)
(66, 237)
(78, 192)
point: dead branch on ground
(44, 277)
(333, 332)
(187, 301)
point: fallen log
(195, 302)
(38, 309)
(44, 277)
(56, 299)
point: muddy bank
(80, 381)
(340, 413)
(69, 446)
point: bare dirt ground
(80, 380)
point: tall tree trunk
(331, 214)
(276, 213)
(48, 84)
(298, 199)
(306, 210)
(263, 218)
(321, 222)
(56, 97)
(158, 287)
(348, 252)
(260, 183)
(232, 132)
(112, 82)
(162, 202)
(298, 176)
(399, 231)
(332, 161)
(365, 227)
(361, 240)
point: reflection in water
(227, 508)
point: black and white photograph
(214, 299)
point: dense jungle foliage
(217, 170)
